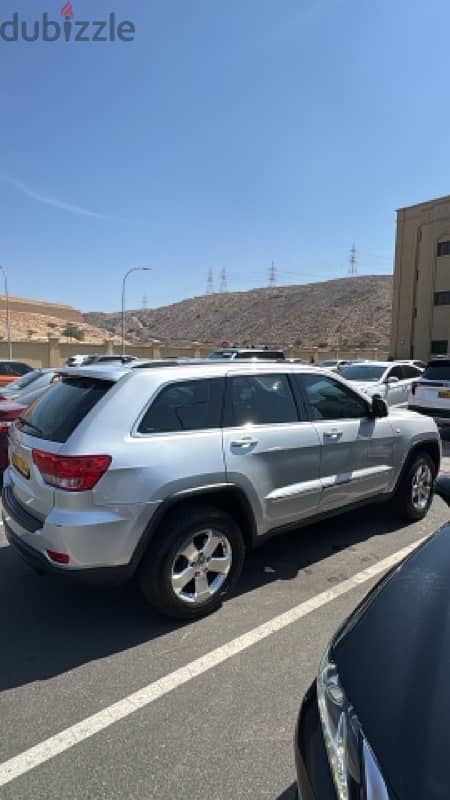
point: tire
(176, 576)
(414, 493)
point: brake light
(59, 558)
(414, 386)
(72, 473)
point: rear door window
(259, 400)
(56, 414)
(185, 406)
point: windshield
(363, 372)
(22, 382)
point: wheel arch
(229, 498)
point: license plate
(445, 394)
(21, 464)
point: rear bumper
(38, 560)
(440, 415)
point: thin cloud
(52, 201)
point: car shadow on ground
(50, 626)
(290, 793)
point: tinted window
(410, 372)
(22, 382)
(439, 347)
(443, 249)
(260, 400)
(396, 372)
(17, 368)
(185, 406)
(363, 372)
(329, 399)
(57, 413)
(269, 355)
(437, 372)
(442, 298)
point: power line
(223, 281)
(353, 261)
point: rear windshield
(58, 412)
(362, 372)
(437, 372)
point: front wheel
(415, 491)
(194, 563)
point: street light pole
(8, 316)
(133, 269)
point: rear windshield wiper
(30, 425)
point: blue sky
(228, 134)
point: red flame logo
(67, 10)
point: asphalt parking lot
(220, 728)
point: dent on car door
(269, 451)
(356, 448)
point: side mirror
(392, 380)
(442, 486)
(379, 406)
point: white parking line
(40, 753)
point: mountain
(354, 311)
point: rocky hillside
(348, 311)
(27, 326)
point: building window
(442, 298)
(439, 347)
(443, 249)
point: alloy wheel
(201, 566)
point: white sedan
(390, 379)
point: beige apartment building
(421, 303)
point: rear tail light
(58, 558)
(72, 473)
(414, 386)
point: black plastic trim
(97, 576)
(19, 513)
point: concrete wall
(55, 353)
(419, 273)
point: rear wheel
(194, 563)
(415, 491)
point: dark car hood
(393, 657)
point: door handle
(334, 433)
(244, 443)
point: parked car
(10, 370)
(108, 360)
(431, 393)
(9, 412)
(333, 364)
(232, 353)
(172, 474)
(390, 379)
(14, 401)
(27, 388)
(375, 723)
(76, 361)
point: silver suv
(172, 473)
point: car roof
(206, 369)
